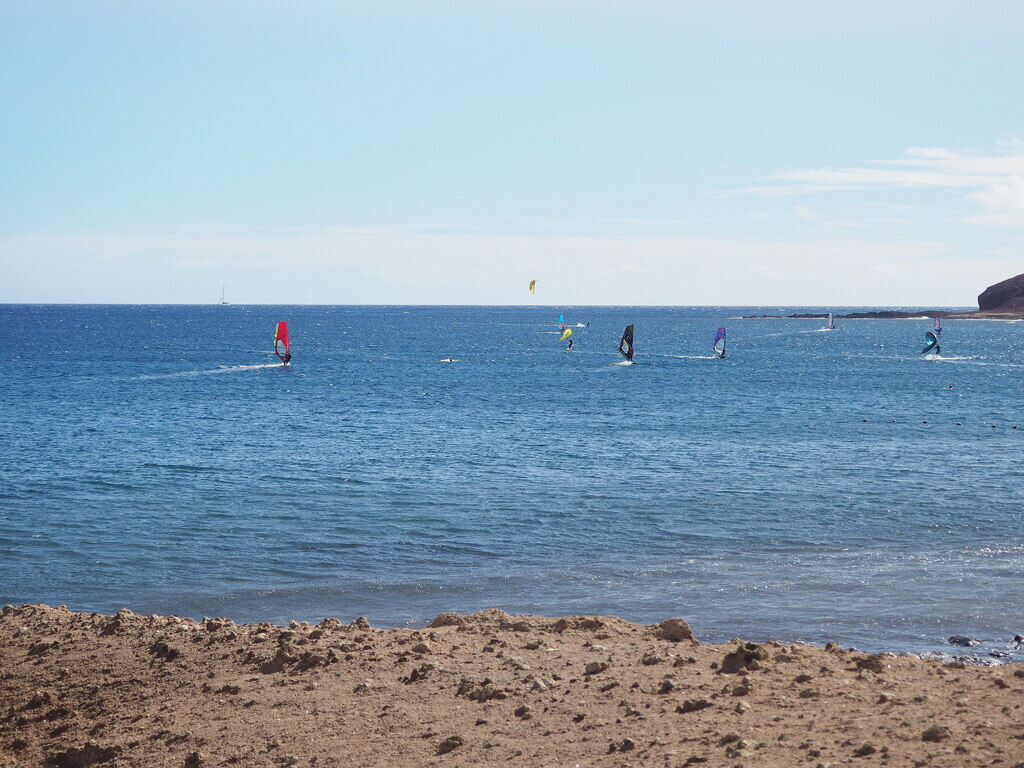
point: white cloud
(995, 182)
(1003, 202)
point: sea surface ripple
(811, 486)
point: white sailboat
(222, 299)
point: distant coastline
(897, 314)
(1002, 301)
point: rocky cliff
(1004, 297)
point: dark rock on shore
(1007, 296)
(966, 642)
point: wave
(97, 483)
(178, 467)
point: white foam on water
(211, 371)
(953, 358)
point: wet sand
(488, 689)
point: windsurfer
(281, 343)
(719, 345)
(569, 348)
(626, 344)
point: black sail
(626, 344)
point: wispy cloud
(395, 265)
(992, 182)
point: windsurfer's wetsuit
(629, 355)
(570, 344)
(287, 358)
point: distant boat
(931, 343)
(533, 287)
(222, 299)
(831, 323)
(719, 345)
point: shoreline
(894, 314)
(484, 689)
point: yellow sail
(566, 334)
(533, 286)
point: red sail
(281, 340)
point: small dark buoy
(865, 421)
(924, 422)
(1018, 638)
(993, 426)
(959, 424)
(1016, 426)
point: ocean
(812, 486)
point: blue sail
(719, 345)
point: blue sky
(717, 152)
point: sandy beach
(84, 689)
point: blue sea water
(811, 486)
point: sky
(713, 152)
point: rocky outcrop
(1007, 296)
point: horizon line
(524, 306)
